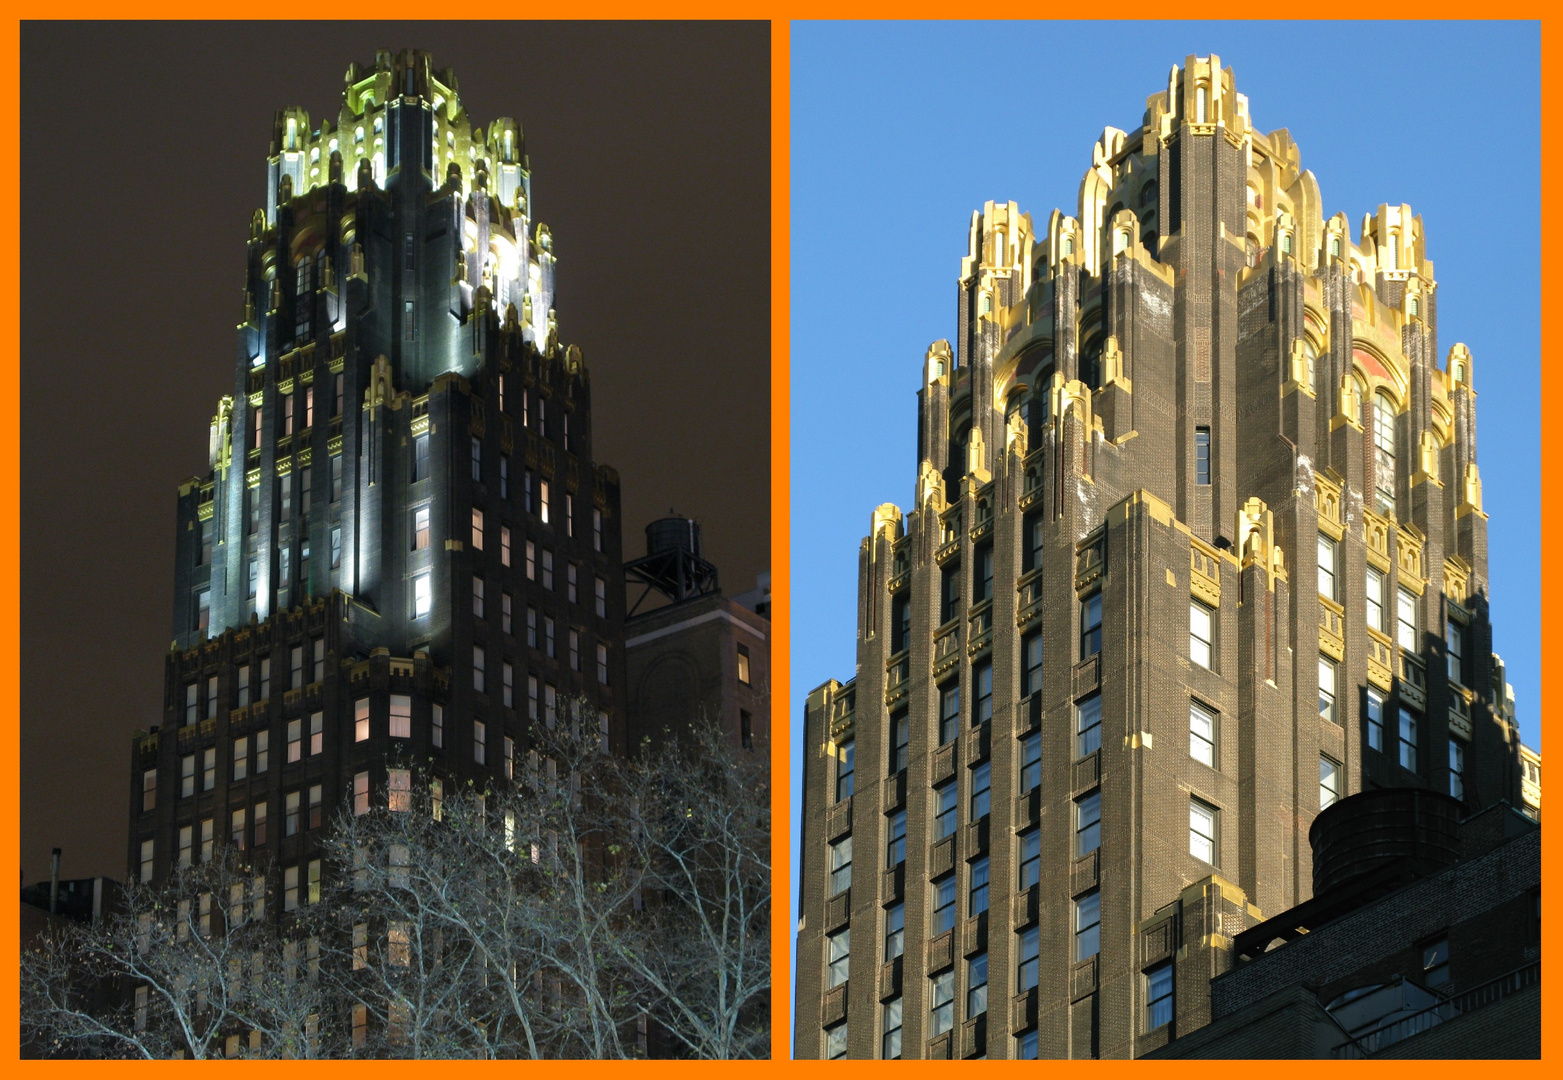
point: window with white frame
(838, 951)
(1375, 719)
(1329, 782)
(1202, 734)
(1201, 633)
(1202, 831)
(1327, 567)
(840, 864)
(1406, 619)
(1328, 706)
(1088, 919)
(1375, 595)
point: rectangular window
(478, 661)
(260, 824)
(548, 570)
(504, 545)
(1202, 456)
(205, 556)
(845, 766)
(977, 891)
(399, 790)
(1202, 831)
(1031, 762)
(575, 649)
(211, 698)
(1327, 567)
(602, 664)
(295, 740)
(186, 843)
(1030, 857)
(336, 548)
(401, 716)
(838, 951)
(409, 320)
(1435, 963)
(743, 664)
(241, 757)
(361, 720)
(209, 769)
(316, 733)
(1327, 702)
(336, 477)
(977, 985)
(316, 806)
(890, 1041)
(1375, 593)
(1329, 782)
(285, 496)
(253, 579)
(1031, 663)
(602, 598)
(477, 596)
(420, 457)
(900, 738)
(1088, 726)
(1457, 768)
(236, 831)
(360, 794)
(422, 596)
(941, 1004)
(982, 574)
(187, 776)
(203, 610)
(840, 865)
(296, 667)
(1454, 650)
(479, 742)
(1091, 625)
(569, 582)
(982, 693)
(1408, 739)
(943, 905)
(949, 712)
(1405, 617)
(548, 636)
(1026, 959)
(1202, 734)
(1158, 996)
(208, 834)
(981, 784)
(437, 725)
(1032, 539)
(290, 813)
(895, 931)
(1201, 633)
(542, 500)
(477, 461)
(1088, 823)
(1088, 918)
(192, 703)
(477, 529)
(148, 790)
(290, 888)
(944, 801)
(949, 591)
(596, 530)
(1375, 720)
(265, 679)
(420, 528)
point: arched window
(1311, 355)
(1091, 363)
(1120, 240)
(958, 442)
(1334, 247)
(1200, 96)
(1393, 249)
(1416, 307)
(1286, 243)
(1252, 251)
(1069, 245)
(1148, 242)
(998, 249)
(1148, 193)
(1384, 449)
(984, 302)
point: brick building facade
(404, 552)
(1197, 549)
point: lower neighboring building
(1422, 940)
(700, 655)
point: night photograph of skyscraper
(1168, 662)
(396, 652)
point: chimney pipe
(54, 882)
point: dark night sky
(143, 156)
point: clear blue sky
(900, 130)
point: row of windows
(549, 646)
(301, 664)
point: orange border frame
(779, 13)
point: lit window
(1158, 996)
(1200, 633)
(1088, 918)
(401, 716)
(840, 865)
(241, 757)
(542, 501)
(1202, 831)
(420, 528)
(477, 529)
(290, 813)
(208, 837)
(838, 952)
(400, 789)
(148, 851)
(148, 789)
(290, 888)
(743, 664)
(361, 720)
(1088, 725)
(1329, 782)
(360, 794)
(504, 545)
(422, 596)
(316, 804)
(1408, 739)
(1088, 823)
